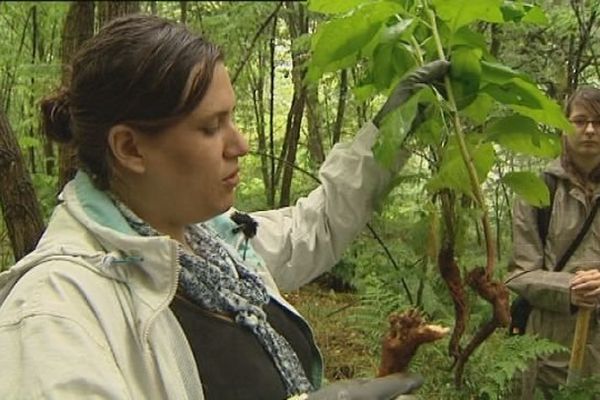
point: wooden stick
(579, 342)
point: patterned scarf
(217, 280)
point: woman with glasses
(556, 296)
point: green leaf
(519, 12)
(395, 126)
(334, 6)
(479, 110)
(529, 186)
(512, 11)
(344, 38)
(465, 74)
(400, 30)
(535, 15)
(383, 70)
(514, 92)
(523, 136)
(403, 59)
(498, 73)
(430, 131)
(453, 172)
(467, 37)
(458, 13)
(364, 92)
(526, 99)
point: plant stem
(417, 50)
(466, 155)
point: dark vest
(232, 363)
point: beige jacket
(86, 314)
(552, 316)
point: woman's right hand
(585, 288)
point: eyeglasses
(581, 124)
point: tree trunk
(34, 41)
(341, 108)
(108, 10)
(578, 44)
(49, 150)
(298, 25)
(257, 87)
(272, 184)
(315, 122)
(20, 207)
(183, 5)
(79, 27)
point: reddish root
(496, 294)
(451, 275)
(406, 333)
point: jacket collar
(87, 228)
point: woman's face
(585, 141)
(193, 165)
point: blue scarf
(217, 280)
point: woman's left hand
(586, 285)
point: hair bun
(56, 117)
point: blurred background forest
(289, 122)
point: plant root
(451, 275)
(406, 333)
(496, 294)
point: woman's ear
(125, 147)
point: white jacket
(86, 315)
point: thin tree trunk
(34, 40)
(257, 86)
(49, 150)
(341, 108)
(272, 181)
(579, 43)
(315, 121)
(79, 26)
(293, 127)
(183, 6)
(108, 10)
(297, 25)
(20, 207)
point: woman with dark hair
(556, 295)
(143, 285)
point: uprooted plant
(481, 106)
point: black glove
(429, 74)
(386, 388)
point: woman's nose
(589, 128)
(237, 145)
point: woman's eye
(210, 129)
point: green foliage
(482, 86)
(458, 13)
(501, 359)
(395, 127)
(584, 389)
(338, 43)
(453, 173)
(522, 135)
(465, 74)
(530, 186)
